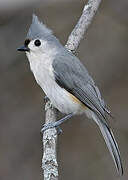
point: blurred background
(82, 153)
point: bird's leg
(56, 124)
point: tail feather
(110, 142)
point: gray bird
(66, 82)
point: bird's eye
(37, 42)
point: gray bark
(82, 25)
(49, 160)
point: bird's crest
(38, 29)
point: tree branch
(49, 160)
(82, 25)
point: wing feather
(71, 75)
(74, 77)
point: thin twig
(49, 160)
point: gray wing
(71, 75)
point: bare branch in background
(49, 161)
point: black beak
(23, 48)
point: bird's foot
(56, 124)
(52, 125)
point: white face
(39, 49)
(37, 46)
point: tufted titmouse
(66, 82)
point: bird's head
(39, 39)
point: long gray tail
(111, 143)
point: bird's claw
(51, 125)
(47, 126)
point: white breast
(43, 72)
